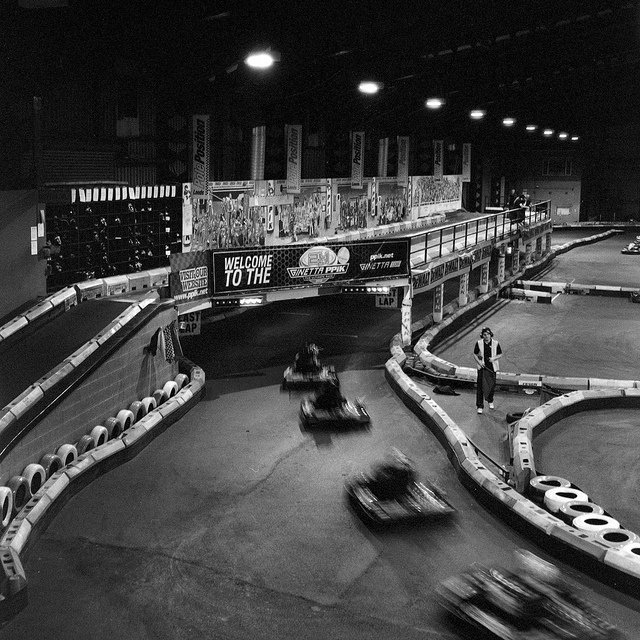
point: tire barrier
(85, 444)
(68, 453)
(51, 463)
(514, 417)
(595, 523)
(126, 418)
(113, 427)
(6, 506)
(182, 380)
(170, 388)
(616, 537)
(138, 410)
(539, 485)
(19, 486)
(555, 498)
(36, 476)
(633, 549)
(149, 404)
(100, 435)
(159, 396)
(574, 508)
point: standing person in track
(487, 352)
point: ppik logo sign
(319, 264)
(200, 157)
(194, 283)
(357, 158)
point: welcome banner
(357, 158)
(200, 156)
(294, 157)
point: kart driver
(306, 360)
(393, 479)
(329, 397)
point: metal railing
(433, 244)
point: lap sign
(189, 323)
(389, 301)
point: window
(556, 167)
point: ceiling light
(508, 122)
(434, 103)
(531, 127)
(370, 87)
(563, 136)
(477, 114)
(262, 59)
(547, 132)
(574, 138)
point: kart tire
(514, 417)
(539, 485)
(113, 427)
(126, 418)
(182, 380)
(149, 404)
(159, 396)
(6, 506)
(36, 476)
(19, 486)
(170, 388)
(51, 463)
(138, 411)
(100, 435)
(68, 453)
(85, 444)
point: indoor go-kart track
(232, 523)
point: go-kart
(496, 603)
(416, 501)
(632, 247)
(294, 379)
(347, 414)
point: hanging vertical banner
(403, 160)
(294, 157)
(200, 157)
(466, 162)
(258, 145)
(187, 217)
(357, 158)
(383, 157)
(438, 161)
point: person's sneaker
(491, 405)
(479, 410)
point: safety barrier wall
(620, 564)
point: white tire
(36, 476)
(68, 453)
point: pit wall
(609, 561)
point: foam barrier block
(110, 448)
(80, 465)
(39, 508)
(133, 434)
(580, 540)
(603, 383)
(56, 484)
(20, 536)
(57, 376)
(150, 420)
(538, 517)
(623, 560)
(26, 400)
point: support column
(538, 247)
(515, 262)
(407, 305)
(502, 260)
(528, 254)
(484, 278)
(463, 292)
(438, 303)
(547, 247)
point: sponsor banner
(190, 277)
(403, 160)
(357, 158)
(200, 156)
(438, 159)
(466, 162)
(383, 157)
(430, 196)
(189, 324)
(294, 157)
(329, 264)
(258, 147)
(389, 301)
(187, 217)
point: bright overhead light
(262, 59)
(574, 138)
(508, 122)
(547, 132)
(478, 114)
(531, 127)
(563, 136)
(369, 87)
(434, 103)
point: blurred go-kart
(306, 372)
(330, 409)
(392, 494)
(536, 603)
(632, 247)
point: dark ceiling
(569, 64)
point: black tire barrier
(574, 508)
(539, 485)
(126, 418)
(100, 435)
(170, 388)
(6, 506)
(85, 444)
(36, 476)
(68, 453)
(159, 396)
(113, 427)
(19, 486)
(514, 417)
(182, 380)
(138, 410)
(51, 463)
